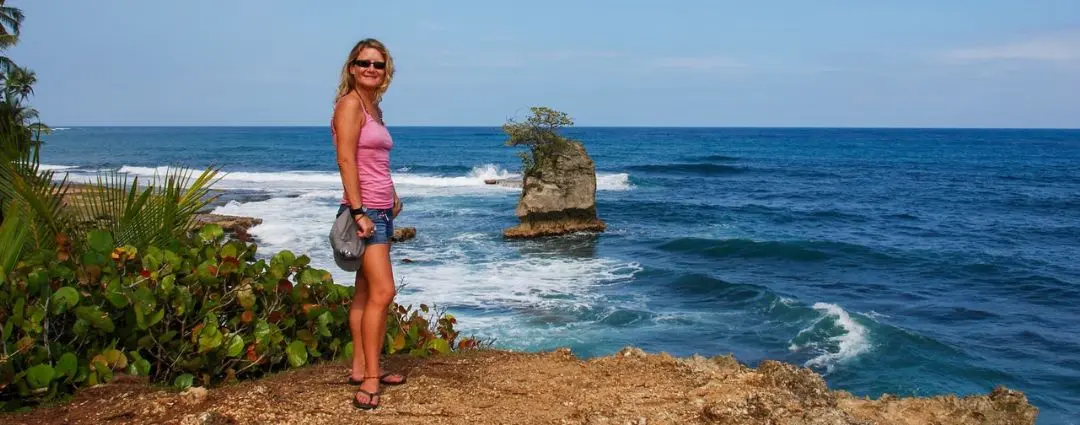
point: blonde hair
(348, 82)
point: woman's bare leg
(356, 313)
(380, 282)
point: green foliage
(184, 381)
(33, 195)
(423, 332)
(20, 128)
(142, 216)
(14, 233)
(134, 215)
(199, 311)
(10, 24)
(540, 133)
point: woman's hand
(367, 227)
(397, 207)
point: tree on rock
(558, 194)
(540, 133)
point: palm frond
(14, 231)
(27, 114)
(144, 215)
(7, 41)
(19, 82)
(24, 183)
(11, 17)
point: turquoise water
(912, 262)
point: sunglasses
(364, 63)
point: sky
(787, 63)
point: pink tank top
(372, 164)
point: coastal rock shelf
(498, 387)
(511, 183)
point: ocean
(901, 261)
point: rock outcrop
(402, 234)
(496, 387)
(228, 223)
(233, 225)
(560, 197)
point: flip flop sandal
(370, 396)
(369, 405)
(382, 380)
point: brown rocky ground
(497, 387)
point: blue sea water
(910, 262)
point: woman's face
(369, 68)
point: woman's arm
(397, 204)
(347, 127)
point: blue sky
(961, 63)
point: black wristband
(357, 211)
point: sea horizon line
(496, 126)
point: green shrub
(540, 133)
(201, 312)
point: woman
(363, 147)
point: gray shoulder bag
(347, 246)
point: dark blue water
(911, 262)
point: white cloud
(1054, 48)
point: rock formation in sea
(558, 194)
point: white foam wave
(527, 284)
(295, 224)
(875, 315)
(298, 182)
(469, 271)
(491, 171)
(851, 340)
(143, 171)
(474, 178)
(617, 181)
(321, 195)
(320, 184)
(44, 167)
(251, 179)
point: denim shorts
(384, 224)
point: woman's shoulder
(348, 103)
(350, 107)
